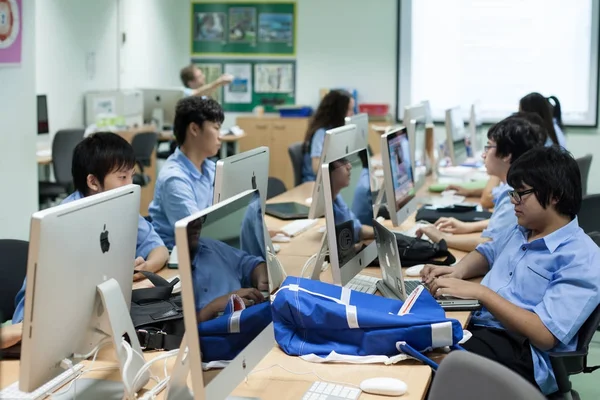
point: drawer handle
(261, 126)
(279, 127)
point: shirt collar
(190, 167)
(556, 238)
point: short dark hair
(100, 154)
(514, 136)
(552, 173)
(535, 119)
(195, 109)
(187, 74)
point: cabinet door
(258, 133)
(284, 132)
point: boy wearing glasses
(507, 141)
(541, 279)
(185, 184)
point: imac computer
(159, 106)
(362, 125)
(78, 293)
(245, 171)
(397, 175)
(218, 234)
(343, 178)
(416, 119)
(338, 141)
(456, 139)
(42, 114)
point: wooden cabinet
(277, 134)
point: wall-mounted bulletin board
(243, 28)
(267, 83)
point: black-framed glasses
(487, 147)
(518, 196)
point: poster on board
(11, 27)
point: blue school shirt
(316, 148)
(181, 190)
(498, 190)
(362, 204)
(219, 269)
(560, 136)
(19, 304)
(556, 277)
(147, 238)
(252, 235)
(341, 214)
(503, 216)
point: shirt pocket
(536, 281)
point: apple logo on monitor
(104, 243)
(253, 181)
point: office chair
(63, 144)
(13, 268)
(275, 187)
(565, 364)
(584, 164)
(163, 155)
(143, 145)
(589, 214)
(296, 153)
(467, 376)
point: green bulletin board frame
(259, 95)
(243, 28)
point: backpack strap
(443, 251)
(162, 289)
(159, 339)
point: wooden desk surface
(271, 382)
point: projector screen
(458, 52)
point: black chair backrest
(63, 144)
(13, 268)
(297, 156)
(589, 214)
(143, 145)
(588, 329)
(584, 164)
(275, 187)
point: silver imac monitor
(245, 171)
(79, 279)
(338, 141)
(345, 180)
(476, 131)
(362, 125)
(163, 100)
(456, 139)
(397, 175)
(416, 118)
(214, 263)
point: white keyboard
(43, 153)
(298, 226)
(330, 391)
(363, 283)
(13, 392)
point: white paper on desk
(334, 357)
(215, 365)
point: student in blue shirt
(105, 161)
(362, 202)
(331, 113)
(185, 184)
(194, 81)
(507, 141)
(536, 103)
(340, 178)
(219, 271)
(541, 279)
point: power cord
(312, 260)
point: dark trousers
(507, 348)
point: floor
(587, 384)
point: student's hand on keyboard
(432, 233)
(275, 232)
(453, 287)
(430, 272)
(452, 225)
(461, 191)
(139, 264)
(11, 335)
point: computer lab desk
(275, 383)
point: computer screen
(398, 175)
(225, 291)
(476, 137)
(456, 139)
(42, 114)
(165, 99)
(420, 154)
(362, 125)
(348, 208)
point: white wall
(76, 49)
(157, 42)
(18, 131)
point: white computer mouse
(277, 248)
(279, 238)
(308, 200)
(384, 386)
(415, 270)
